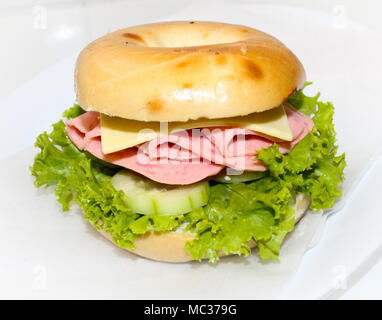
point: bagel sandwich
(192, 140)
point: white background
(30, 45)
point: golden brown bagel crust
(170, 246)
(177, 71)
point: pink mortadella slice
(85, 133)
(190, 156)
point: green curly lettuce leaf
(82, 179)
(260, 211)
(302, 102)
(313, 167)
(238, 213)
(73, 112)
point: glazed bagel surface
(177, 71)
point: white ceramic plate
(49, 254)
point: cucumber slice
(244, 177)
(147, 197)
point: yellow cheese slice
(118, 133)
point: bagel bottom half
(170, 246)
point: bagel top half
(178, 71)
